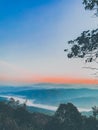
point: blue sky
(33, 35)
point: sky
(33, 36)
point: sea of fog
(50, 96)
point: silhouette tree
(86, 45)
(95, 111)
(67, 117)
(90, 4)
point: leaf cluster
(90, 4)
(86, 45)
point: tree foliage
(95, 111)
(67, 117)
(85, 45)
(16, 117)
(90, 4)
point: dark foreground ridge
(16, 117)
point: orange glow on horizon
(62, 80)
(40, 79)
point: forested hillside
(14, 116)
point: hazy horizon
(50, 96)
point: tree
(95, 111)
(86, 45)
(13, 103)
(67, 117)
(90, 4)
